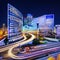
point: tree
(6, 41)
(36, 42)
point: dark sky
(35, 7)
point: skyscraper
(14, 23)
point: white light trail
(22, 43)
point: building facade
(44, 23)
(14, 23)
(57, 31)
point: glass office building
(14, 23)
(44, 22)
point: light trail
(51, 39)
(36, 53)
(22, 43)
(10, 45)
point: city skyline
(36, 8)
(30, 30)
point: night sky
(35, 7)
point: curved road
(41, 50)
(21, 43)
(4, 48)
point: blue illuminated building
(14, 23)
(45, 22)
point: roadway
(54, 55)
(21, 42)
(51, 39)
(38, 51)
(6, 47)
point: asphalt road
(39, 51)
